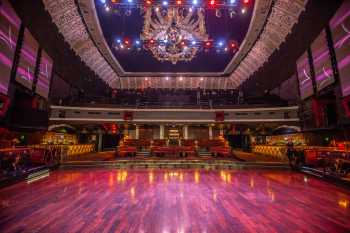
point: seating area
(161, 148)
(172, 98)
(20, 160)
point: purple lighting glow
(304, 76)
(27, 61)
(9, 27)
(340, 25)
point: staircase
(143, 153)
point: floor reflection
(155, 201)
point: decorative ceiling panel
(284, 16)
(272, 21)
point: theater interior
(175, 116)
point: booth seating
(331, 159)
(220, 151)
(188, 142)
(131, 142)
(210, 143)
(159, 142)
(22, 159)
(123, 151)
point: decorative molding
(285, 14)
(271, 23)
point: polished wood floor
(179, 201)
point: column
(185, 131)
(99, 145)
(221, 131)
(137, 134)
(126, 131)
(210, 132)
(161, 131)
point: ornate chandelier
(173, 34)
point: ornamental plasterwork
(65, 15)
(253, 53)
(284, 16)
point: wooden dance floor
(179, 201)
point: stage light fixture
(107, 8)
(148, 2)
(195, 2)
(166, 78)
(243, 11)
(129, 1)
(232, 1)
(212, 2)
(178, 2)
(246, 1)
(103, 1)
(165, 3)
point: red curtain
(219, 116)
(4, 104)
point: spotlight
(129, 1)
(195, 2)
(178, 2)
(146, 79)
(245, 1)
(107, 8)
(243, 11)
(103, 1)
(232, 1)
(119, 41)
(190, 9)
(221, 43)
(166, 78)
(181, 79)
(128, 12)
(201, 79)
(212, 2)
(137, 42)
(194, 42)
(148, 2)
(218, 13)
(165, 3)
(232, 13)
(157, 9)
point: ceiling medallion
(173, 34)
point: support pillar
(185, 132)
(137, 132)
(210, 132)
(161, 132)
(221, 131)
(99, 145)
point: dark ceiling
(282, 63)
(66, 63)
(116, 25)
